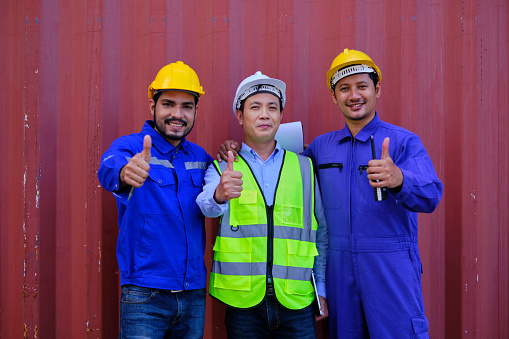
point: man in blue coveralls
(373, 263)
(373, 269)
(156, 176)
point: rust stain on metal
(99, 257)
(25, 293)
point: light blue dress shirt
(266, 173)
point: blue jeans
(270, 320)
(154, 313)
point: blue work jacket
(161, 239)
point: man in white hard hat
(374, 178)
(155, 175)
(272, 232)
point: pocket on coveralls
(420, 325)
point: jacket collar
(364, 134)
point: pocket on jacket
(244, 209)
(232, 266)
(152, 234)
(301, 257)
(233, 250)
(197, 178)
(236, 283)
(161, 176)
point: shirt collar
(364, 133)
(249, 154)
(161, 143)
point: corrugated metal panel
(73, 77)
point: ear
(152, 105)
(239, 116)
(378, 91)
(334, 97)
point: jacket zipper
(270, 242)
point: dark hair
(372, 76)
(241, 108)
(157, 94)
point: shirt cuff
(320, 286)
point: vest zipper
(270, 242)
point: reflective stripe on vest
(282, 232)
(239, 272)
(259, 268)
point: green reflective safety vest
(256, 242)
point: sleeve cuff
(320, 286)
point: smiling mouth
(356, 105)
(175, 123)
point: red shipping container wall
(74, 76)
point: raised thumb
(147, 145)
(385, 148)
(229, 167)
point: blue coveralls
(373, 268)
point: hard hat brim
(264, 81)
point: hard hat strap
(256, 89)
(347, 71)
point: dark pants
(270, 320)
(154, 313)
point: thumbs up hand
(230, 184)
(383, 172)
(136, 171)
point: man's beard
(161, 128)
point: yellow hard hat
(176, 76)
(349, 58)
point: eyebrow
(268, 103)
(172, 101)
(356, 83)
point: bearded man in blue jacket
(156, 175)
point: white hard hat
(259, 83)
